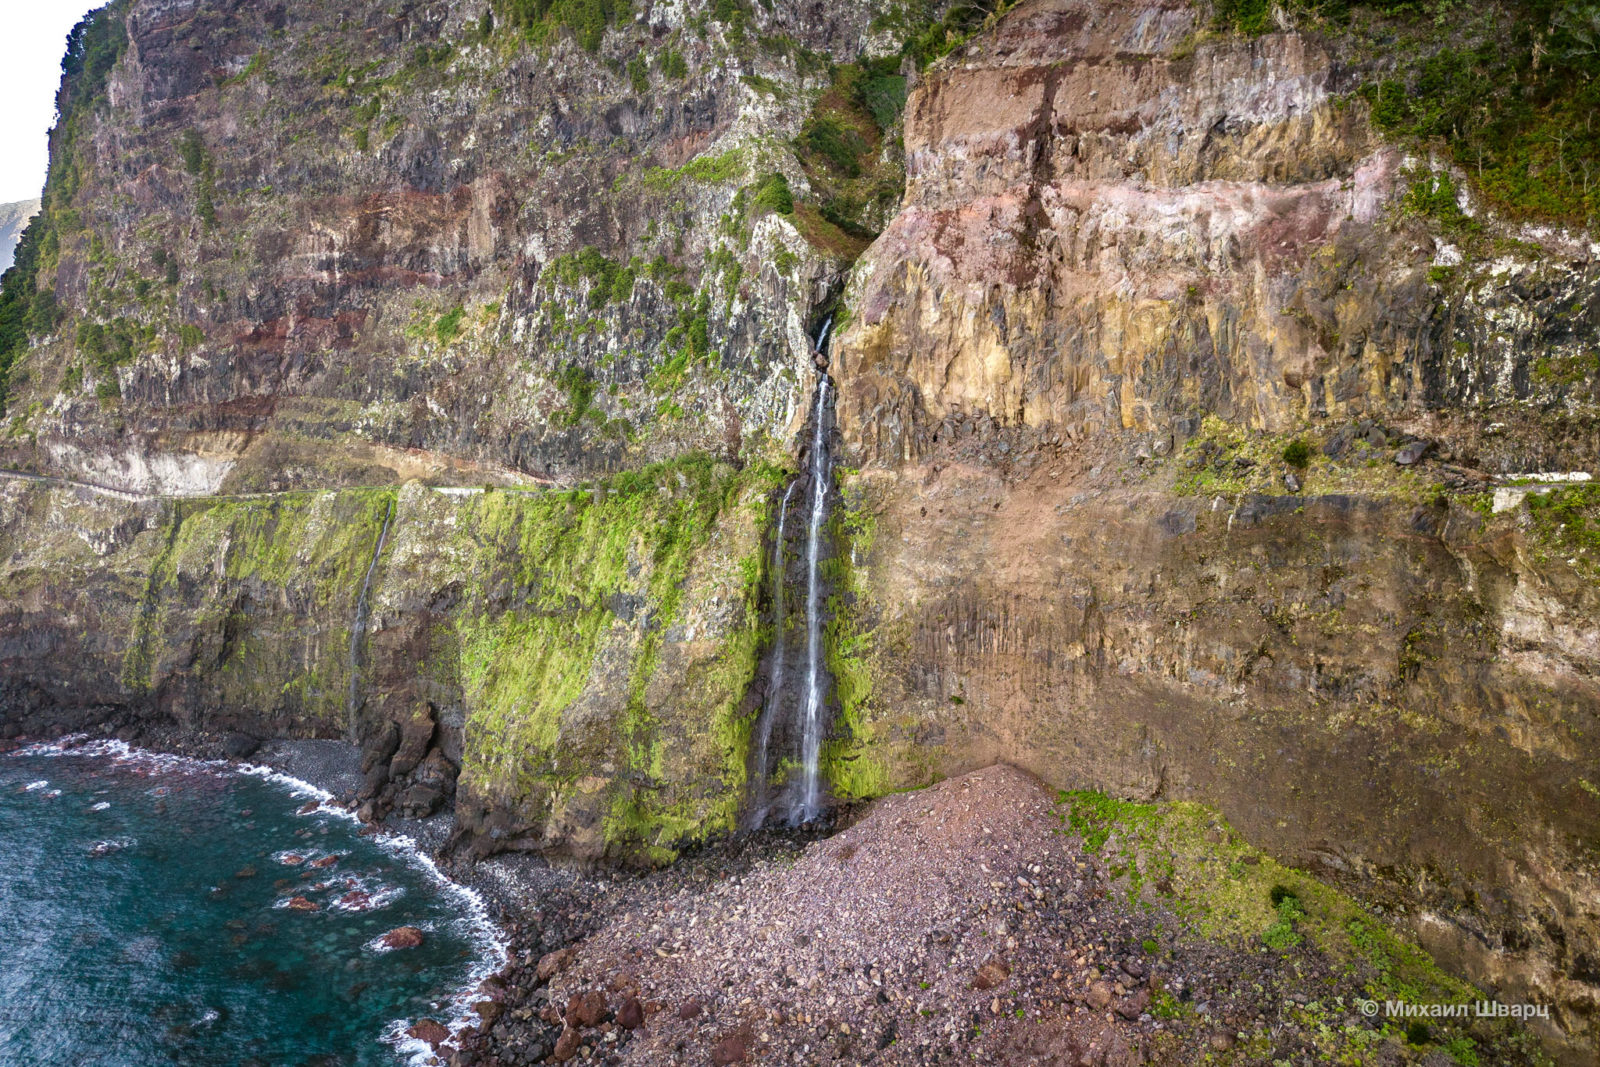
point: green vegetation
(1280, 935)
(562, 563)
(609, 282)
(840, 147)
(310, 550)
(448, 327)
(1185, 857)
(772, 194)
(94, 46)
(1566, 522)
(1228, 460)
(578, 386)
(851, 765)
(1506, 91)
(639, 75)
(707, 169)
(257, 64)
(931, 34)
(1571, 369)
(541, 20)
(1434, 195)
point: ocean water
(145, 919)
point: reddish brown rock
(631, 1015)
(1099, 995)
(306, 809)
(690, 1008)
(356, 900)
(586, 1009)
(566, 1045)
(434, 1033)
(402, 937)
(291, 859)
(993, 972)
(553, 963)
(732, 1048)
(1134, 1004)
(302, 904)
(325, 862)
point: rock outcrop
(1130, 270)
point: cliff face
(1131, 270)
(1183, 431)
(352, 247)
(13, 217)
(570, 669)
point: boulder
(402, 937)
(416, 734)
(566, 1045)
(630, 1016)
(732, 1048)
(585, 1009)
(429, 1031)
(553, 963)
(239, 745)
(993, 972)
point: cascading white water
(798, 723)
(358, 628)
(773, 705)
(810, 805)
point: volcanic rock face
(1115, 242)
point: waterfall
(773, 705)
(811, 725)
(790, 730)
(358, 628)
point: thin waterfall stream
(789, 734)
(771, 707)
(811, 725)
(358, 628)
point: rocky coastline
(985, 917)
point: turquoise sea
(148, 916)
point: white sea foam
(487, 941)
(34, 787)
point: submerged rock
(402, 937)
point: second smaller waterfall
(358, 628)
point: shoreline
(327, 772)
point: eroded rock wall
(1135, 261)
(569, 669)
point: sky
(33, 37)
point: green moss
(541, 20)
(305, 553)
(1228, 460)
(852, 765)
(1565, 523)
(1187, 857)
(572, 597)
(448, 326)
